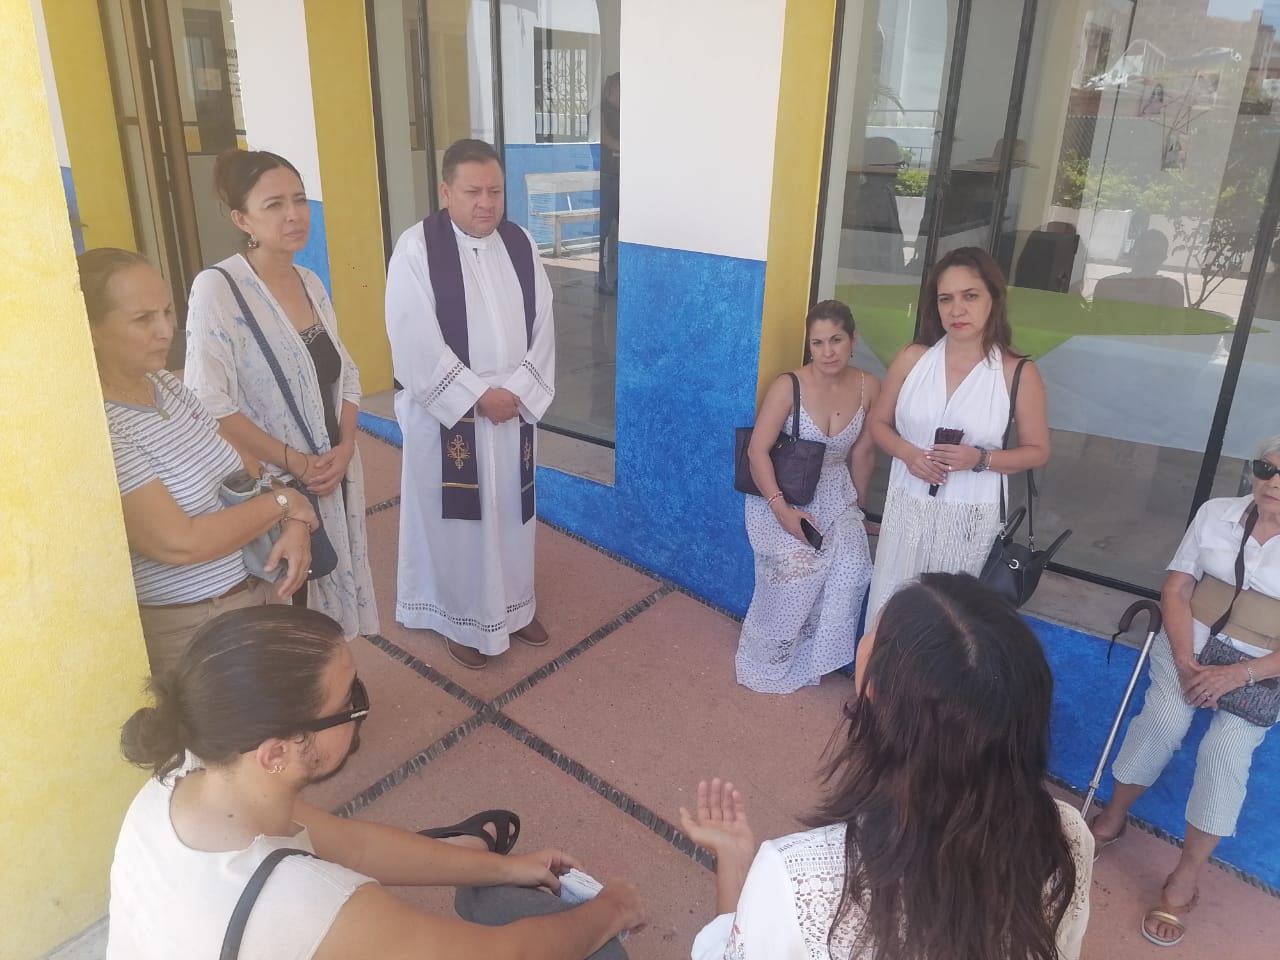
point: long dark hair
(998, 331)
(248, 675)
(953, 846)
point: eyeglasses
(1264, 469)
(356, 713)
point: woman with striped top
(185, 545)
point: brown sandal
(1165, 912)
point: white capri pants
(1222, 763)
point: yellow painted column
(79, 55)
(808, 42)
(71, 652)
(342, 92)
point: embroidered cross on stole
(459, 463)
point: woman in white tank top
(956, 375)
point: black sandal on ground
(506, 826)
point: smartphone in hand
(811, 534)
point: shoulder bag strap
(795, 404)
(1004, 443)
(252, 322)
(240, 915)
(1248, 529)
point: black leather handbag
(797, 463)
(1013, 569)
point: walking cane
(1152, 609)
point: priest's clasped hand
(498, 404)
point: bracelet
(284, 452)
(769, 502)
(984, 461)
(1252, 679)
(285, 520)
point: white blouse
(1210, 546)
(793, 889)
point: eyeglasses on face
(1264, 469)
(358, 710)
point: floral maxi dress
(803, 618)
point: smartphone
(811, 534)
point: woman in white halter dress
(957, 374)
(803, 619)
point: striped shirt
(177, 443)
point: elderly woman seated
(938, 837)
(1219, 650)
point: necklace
(149, 402)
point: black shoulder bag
(240, 915)
(1012, 569)
(797, 463)
(324, 559)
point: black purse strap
(240, 915)
(252, 322)
(1004, 445)
(795, 404)
(1248, 529)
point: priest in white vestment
(474, 353)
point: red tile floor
(598, 738)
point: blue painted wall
(688, 350)
(522, 158)
(315, 255)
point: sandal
(1167, 913)
(506, 827)
(1100, 842)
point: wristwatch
(283, 501)
(984, 460)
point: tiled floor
(598, 738)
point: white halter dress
(951, 532)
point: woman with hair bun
(269, 701)
(937, 837)
(229, 371)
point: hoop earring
(253, 243)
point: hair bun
(152, 737)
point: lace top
(793, 889)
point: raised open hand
(719, 821)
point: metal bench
(553, 184)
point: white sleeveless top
(979, 407)
(169, 900)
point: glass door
(177, 106)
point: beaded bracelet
(769, 502)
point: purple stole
(459, 469)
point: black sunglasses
(356, 713)
(1264, 469)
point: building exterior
(777, 151)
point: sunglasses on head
(1264, 469)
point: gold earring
(253, 243)
(278, 768)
